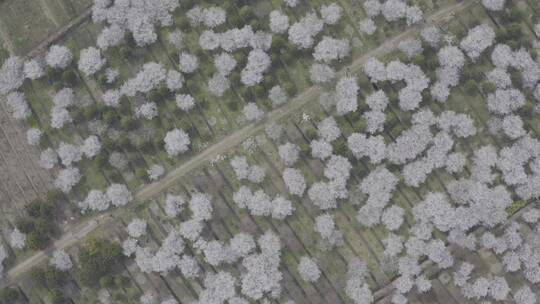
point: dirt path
(221, 147)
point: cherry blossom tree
(431, 35)
(326, 227)
(277, 95)
(525, 295)
(90, 61)
(321, 149)
(188, 63)
(331, 13)
(252, 112)
(90, 147)
(367, 26)
(302, 33)
(346, 94)
(58, 57)
(289, 153)
(33, 136)
(411, 47)
(61, 260)
(257, 63)
(295, 181)
(48, 158)
(68, 153)
(175, 80)
(11, 75)
(110, 36)
(17, 105)
(185, 102)
(218, 84)
(147, 110)
(155, 172)
(33, 69)
(329, 49)
(17, 239)
(150, 76)
(321, 73)
(136, 228)
(225, 63)
(176, 142)
(373, 147)
(322, 196)
(95, 200)
(308, 269)
(279, 22)
(119, 195)
(477, 40)
(494, 5)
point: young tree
(308, 269)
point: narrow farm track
(310, 95)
